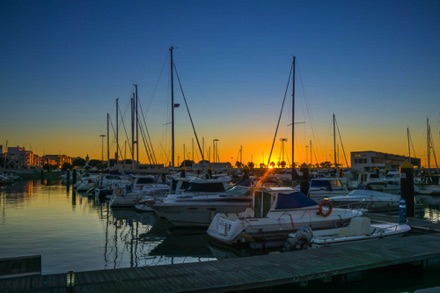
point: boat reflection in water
(73, 232)
(431, 212)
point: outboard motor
(301, 240)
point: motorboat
(427, 189)
(108, 185)
(327, 186)
(185, 187)
(177, 183)
(366, 199)
(5, 180)
(359, 229)
(276, 212)
(363, 178)
(87, 183)
(390, 183)
(192, 208)
(141, 190)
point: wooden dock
(20, 266)
(242, 273)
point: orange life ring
(119, 191)
(328, 204)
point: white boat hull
(383, 231)
(366, 199)
(359, 230)
(197, 213)
(239, 229)
(426, 189)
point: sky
(374, 65)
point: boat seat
(358, 226)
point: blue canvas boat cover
(294, 200)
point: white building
(370, 160)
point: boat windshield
(238, 190)
(294, 200)
(205, 187)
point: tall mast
(132, 130)
(241, 155)
(117, 132)
(428, 143)
(293, 117)
(409, 148)
(137, 125)
(108, 142)
(172, 106)
(334, 142)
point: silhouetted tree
(187, 163)
(79, 162)
(66, 166)
(325, 164)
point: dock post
(68, 177)
(73, 176)
(407, 186)
(183, 173)
(304, 178)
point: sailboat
(276, 212)
(430, 182)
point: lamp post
(214, 149)
(307, 148)
(283, 140)
(102, 147)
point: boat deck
(243, 273)
(417, 225)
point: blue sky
(374, 64)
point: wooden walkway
(20, 266)
(242, 273)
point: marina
(124, 250)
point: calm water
(74, 232)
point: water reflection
(432, 207)
(75, 232)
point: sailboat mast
(293, 117)
(137, 125)
(334, 142)
(132, 131)
(428, 143)
(172, 107)
(409, 148)
(117, 132)
(108, 141)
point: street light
(307, 148)
(283, 140)
(102, 147)
(214, 149)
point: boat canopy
(294, 200)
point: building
(56, 160)
(16, 157)
(370, 160)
